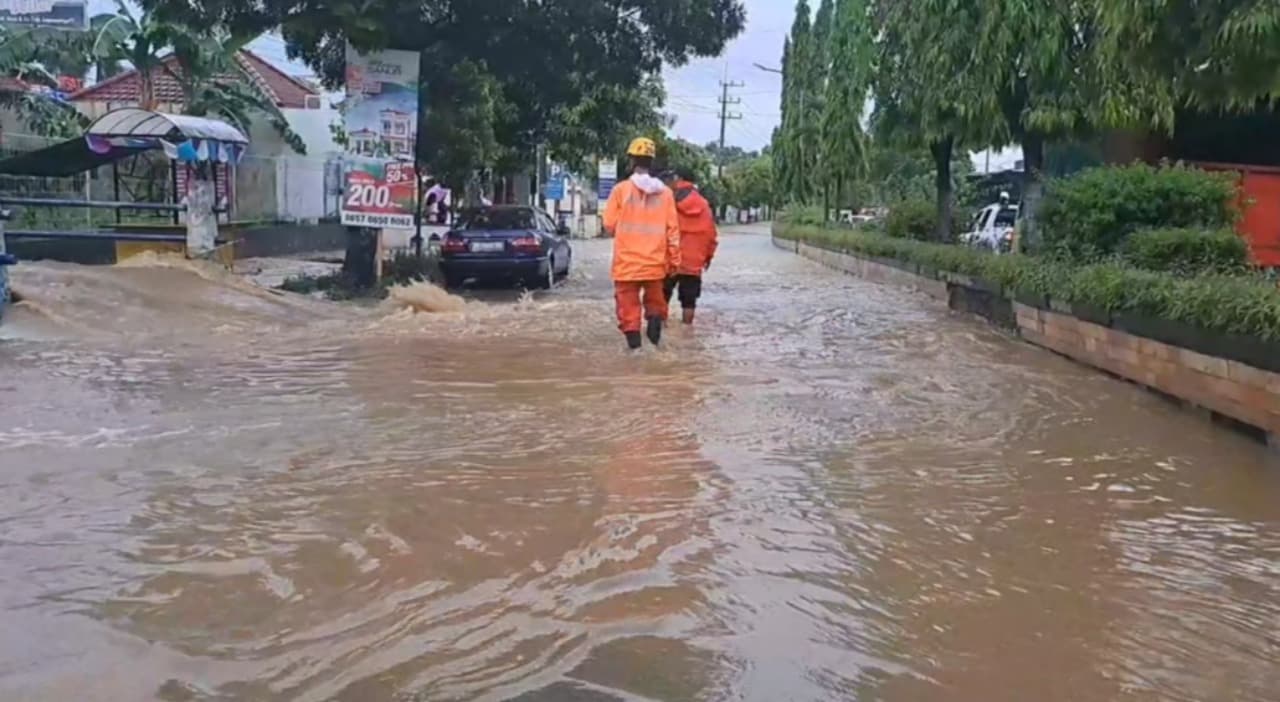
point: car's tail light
(454, 244)
(527, 244)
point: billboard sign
(381, 118)
(608, 177)
(57, 14)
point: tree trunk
(146, 90)
(1029, 238)
(361, 264)
(941, 151)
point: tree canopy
(575, 75)
(953, 77)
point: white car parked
(993, 228)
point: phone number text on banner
(378, 194)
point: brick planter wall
(1239, 391)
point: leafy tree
(201, 61)
(1041, 59)
(679, 154)
(548, 61)
(1204, 53)
(925, 85)
(798, 134)
(729, 155)
(748, 183)
(30, 62)
(823, 50)
(843, 141)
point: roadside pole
(5, 261)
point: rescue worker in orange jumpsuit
(697, 241)
(641, 217)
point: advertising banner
(381, 118)
(59, 14)
(608, 177)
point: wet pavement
(826, 490)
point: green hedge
(912, 219)
(804, 215)
(1241, 304)
(1187, 251)
(1088, 216)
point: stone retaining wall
(1226, 388)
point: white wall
(300, 180)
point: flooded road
(827, 490)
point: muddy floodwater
(827, 490)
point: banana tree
(202, 61)
(30, 62)
(214, 83)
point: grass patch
(1244, 304)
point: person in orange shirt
(641, 217)
(697, 241)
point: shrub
(1187, 251)
(1088, 216)
(1237, 304)
(804, 215)
(912, 219)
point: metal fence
(274, 188)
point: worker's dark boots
(655, 330)
(633, 340)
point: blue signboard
(608, 177)
(555, 187)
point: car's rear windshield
(1007, 217)
(498, 219)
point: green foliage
(795, 141)
(460, 133)
(678, 154)
(1217, 54)
(33, 58)
(1088, 216)
(200, 59)
(804, 215)
(1248, 305)
(748, 183)
(1187, 251)
(577, 76)
(911, 219)
(844, 144)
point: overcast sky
(693, 90)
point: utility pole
(725, 116)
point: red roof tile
(284, 90)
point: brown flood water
(829, 490)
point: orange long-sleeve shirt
(641, 216)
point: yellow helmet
(642, 147)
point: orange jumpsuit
(641, 216)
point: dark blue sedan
(506, 244)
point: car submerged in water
(506, 244)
